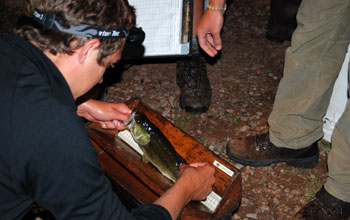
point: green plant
(190, 118)
(182, 122)
(205, 141)
(326, 143)
(234, 120)
(308, 182)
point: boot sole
(194, 110)
(276, 38)
(198, 110)
(307, 160)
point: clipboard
(168, 28)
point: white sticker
(212, 201)
(223, 168)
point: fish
(156, 148)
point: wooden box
(145, 183)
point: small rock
(245, 201)
(211, 147)
(276, 202)
(252, 215)
(236, 217)
(244, 129)
(295, 192)
(244, 118)
(252, 124)
(238, 166)
(265, 209)
(231, 111)
(286, 210)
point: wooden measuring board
(124, 165)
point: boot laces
(263, 143)
(195, 79)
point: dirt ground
(244, 80)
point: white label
(223, 168)
(125, 135)
(212, 201)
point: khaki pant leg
(338, 182)
(312, 64)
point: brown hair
(105, 13)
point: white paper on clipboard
(161, 20)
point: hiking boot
(282, 20)
(324, 207)
(259, 151)
(191, 76)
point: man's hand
(195, 182)
(200, 176)
(208, 31)
(109, 115)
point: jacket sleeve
(151, 211)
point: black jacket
(45, 153)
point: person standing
(312, 64)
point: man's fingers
(118, 125)
(217, 41)
(198, 164)
(209, 49)
(124, 109)
(107, 124)
(206, 42)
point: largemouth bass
(155, 146)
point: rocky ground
(244, 80)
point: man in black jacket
(56, 55)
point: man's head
(106, 14)
(55, 27)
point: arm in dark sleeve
(56, 165)
(151, 211)
(61, 173)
